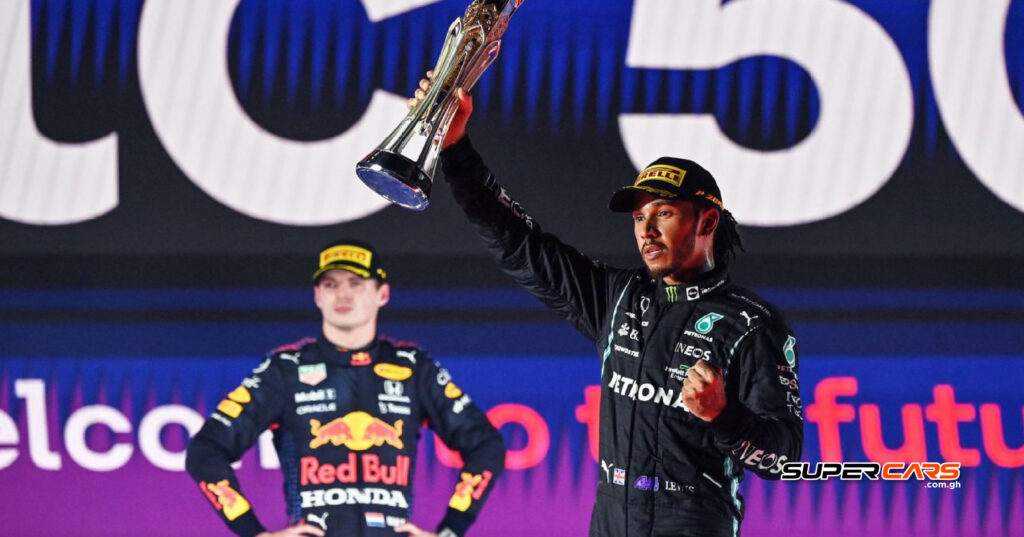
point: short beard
(660, 273)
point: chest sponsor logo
(366, 469)
(408, 355)
(469, 488)
(646, 482)
(692, 293)
(315, 396)
(360, 359)
(253, 382)
(312, 499)
(634, 316)
(393, 388)
(392, 408)
(693, 334)
(672, 486)
(794, 404)
(610, 470)
(312, 374)
(292, 357)
(695, 352)
(225, 499)
(748, 317)
(678, 374)
(706, 323)
(233, 405)
(392, 371)
(645, 392)
(627, 352)
(627, 331)
(320, 520)
(459, 405)
(316, 408)
(452, 391)
(789, 350)
(443, 377)
(262, 367)
(357, 431)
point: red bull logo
(367, 469)
(356, 431)
(225, 499)
(361, 358)
(471, 487)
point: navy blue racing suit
(346, 423)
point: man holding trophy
(699, 375)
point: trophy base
(396, 179)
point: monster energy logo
(788, 348)
(672, 293)
(706, 323)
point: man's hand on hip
(302, 530)
(413, 530)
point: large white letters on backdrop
(860, 137)
(41, 181)
(965, 53)
(210, 137)
(866, 102)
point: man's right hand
(302, 530)
(458, 127)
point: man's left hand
(704, 391)
(413, 530)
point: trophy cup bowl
(401, 169)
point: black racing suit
(346, 424)
(663, 470)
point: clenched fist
(704, 391)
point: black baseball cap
(355, 256)
(669, 178)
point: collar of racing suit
(354, 357)
(708, 283)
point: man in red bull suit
(345, 409)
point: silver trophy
(401, 168)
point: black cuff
(457, 522)
(247, 525)
(459, 158)
(729, 425)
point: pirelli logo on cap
(661, 172)
(351, 254)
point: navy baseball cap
(669, 178)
